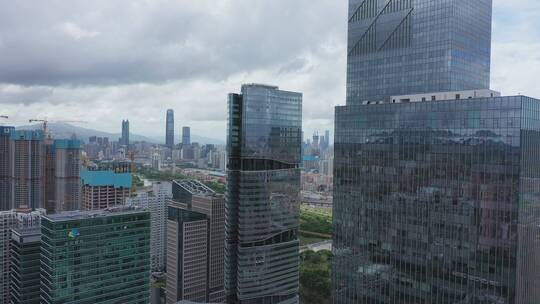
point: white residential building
(154, 200)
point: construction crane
(46, 121)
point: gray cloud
(103, 61)
(117, 42)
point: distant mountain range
(64, 130)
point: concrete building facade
(105, 188)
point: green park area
(315, 225)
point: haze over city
(104, 61)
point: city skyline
(313, 65)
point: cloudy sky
(101, 61)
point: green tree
(315, 277)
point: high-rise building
(6, 168)
(124, 140)
(435, 179)
(49, 180)
(9, 220)
(156, 161)
(96, 256)
(28, 168)
(105, 188)
(25, 265)
(263, 195)
(67, 160)
(169, 129)
(186, 136)
(187, 249)
(191, 195)
(404, 47)
(155, 201)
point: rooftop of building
(67, 144)
(439, 96)
(27, 135)
(6, 130)
(195, 187)
(81, 215)
(108, 177)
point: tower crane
(46, 121)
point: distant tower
(186, 136)
(169, 129)
(6, 167)
(327, 138)
(67, 174)
(316, 140)
(28, 170)
(125, 133)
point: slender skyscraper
(67, 160)
(125, 133)
(169, 129)
(436, 188)
(263, 195)
(6, 168)
(28, 169)
(186, 136)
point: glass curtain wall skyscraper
(402, 47)
(263, 196)
(435, 200)
(124, 140)
(169, 129)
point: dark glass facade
(169, 129)
(6, 168)
(95, 257)
(438, 202)
(263, 199)
(25, 266)
(398, 47)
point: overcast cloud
(102, 61)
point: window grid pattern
(437, 202)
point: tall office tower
(49, 166)
(10, 220)
(198, 198)
(28, 172)
(187, 235)
(403, 47)
(186, 136)
(156, 161)
(155, 201)
(25, 265)
(6, 168)
(125, 133)
(105, 188)
(263, 195)
(169, 129)
(96, 256)
(326, 139)
(67, 160)
(434, 192)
